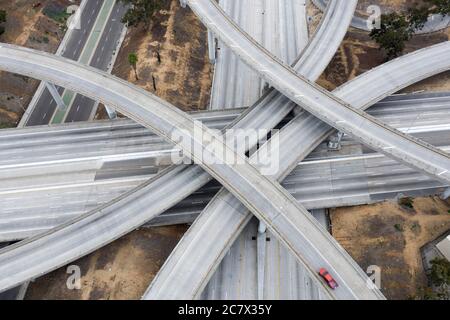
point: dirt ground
(29, 27)
(358, 54)
(121, 270)
(390, 236)
(183, 76)
(386, 6)
(314, 16)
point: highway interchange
(286, 218)
(94, 171)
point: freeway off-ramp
(228, 176)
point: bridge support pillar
(335, 142)
(446, 194)
(55, 94)
(112, 114)
(211, 47)
(261, 258)
(262, 228)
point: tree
(140, 11)
(133, 60)
(2, 20)
(2, 16)
(440, 272)
(396, 28)
(417, 17)
(392, 35)
(440, 278)
(439, 6)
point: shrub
(440, 272)
(407, 202)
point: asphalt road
(82, 107)
(290, 222)
(14, 293)
(45, 107)
(321, 103)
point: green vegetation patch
(56, 12)
(5, 125)
(3, 18)
(397, 28)
(406, 202)
(140, 11)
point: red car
(328, 278)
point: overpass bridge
(285, 217)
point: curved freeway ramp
(266, 199)
(321, 103)
(45, 204)
(169, 189)
(312, 62)
(327, 38)
(280, 26)
(228, 217)
(272, 113)
(357, 22)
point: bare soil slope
(390, 236)
(182, 73)
(29, 27)
(121, 270)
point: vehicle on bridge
(328, 278)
